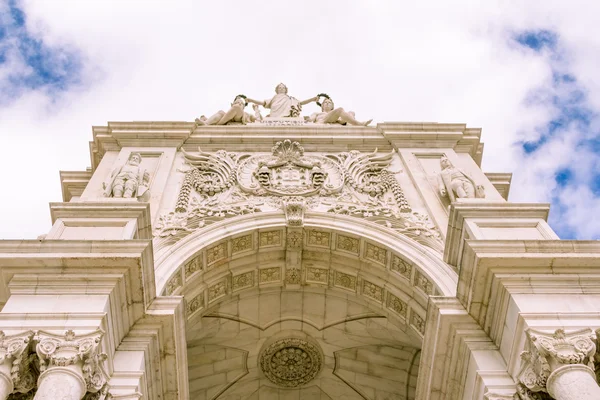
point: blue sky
(526, 75)
(29, 63)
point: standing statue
(234, 114)
(329, 115)
(282, 105)
(455, 183)
(131, 180)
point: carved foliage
(55, 350)
(544, 350)
(291, 362)
(294, 208)
(15, 349)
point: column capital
(15, 353)
(546, 352)
(71, 349)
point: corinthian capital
(15, 349)
(70, 349)
(546, 352)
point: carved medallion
(291, 362)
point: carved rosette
(15, 349)
(69, 349)
(291, 362)
(546, 352)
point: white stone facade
(279, 260)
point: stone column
(15, 372)
(70, 365)
(559, 364)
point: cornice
(258, 137)
(478, 208)
(107, 209)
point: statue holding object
(282, 105)
(131, 180)
(331, 115)
(456, 184)
(234, 114)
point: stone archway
(354, 291)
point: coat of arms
(288, 172)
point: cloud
(527, 75)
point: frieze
(223, 185)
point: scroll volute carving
(545, 352)
(70, 349)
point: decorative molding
(222, 185)
(294, 208)
(291, 362)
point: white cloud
(387, 60)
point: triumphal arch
(272, 255)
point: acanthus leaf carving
(352, 183)
(545, 352)
(70, 349)
(16, 349)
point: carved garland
(290, 180)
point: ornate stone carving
(288, 172)
(317, 274)
(352, 183)
(195, 304)
(347, 243)
(270, 238)
(331, 115)
(270, 275)
(524, 393)
(345, 280)
(217, 290)
(546, 352)
(400, 266)
(292, 276)
(173, 284)
(241, 243)
(375, 253)
(294, 211)
(130, 180)
(418, 322)
(235, 114)
(69, 349)
(373, 291)
(15, 349)
(423, 283)
(242, 281)
(210, 174)
(397, 305)
(216, 253)
(282, 105)
(319, 238)
(192, 266)
(456, 184)
(291, 362)
(294, 239)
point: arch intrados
(402, 325)
(425, 259)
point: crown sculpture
(284, 110)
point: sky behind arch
(526, 72)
